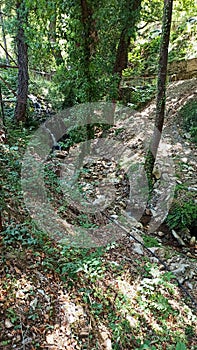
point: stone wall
(184, 69)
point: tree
(131, 11)
(161, 90)
(97, 40)
(4, 36)
(22, 53)
(53, 41)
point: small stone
(137, 248)
(50, 339)
(115, 217)
(153, 260)
(187, 135)
(178, 238)
(192, 241)
(161, 234)
(179, 182)
(189, 254)
(192, 188)
(8, 324)
(139, 225)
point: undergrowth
(188, 114)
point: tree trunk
(161, 91)
(23, 77)
(54, 45)
(2, 109)
(132, 8)
(4, 37)
(2, 141)
(122, 52)
(90, 40)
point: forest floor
(115, 296)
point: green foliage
(150, 241)
(142, 95)
(152, 11)
(23, 235)
(180, 346)
(146, 346)
(12, 315)
(75, 261)
(144, 57)
(188, 114)
(62, 89)
(10, 82)
(182, 215)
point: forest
(98, 205)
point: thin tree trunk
(23, 77)
(90, 40)
(161, 91)
(2, 108)
(2, 141)
(122, 52)
(7, 54)
(54, 45)
(4, 37)
(133, 9)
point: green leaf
(180, 346)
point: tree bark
(122, 52)
(4, 37)
(131, 7)
(2, 141)
(2, 109)
(23, 77)
(90, 40)
(161, 91)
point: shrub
(188, 114)
(182, 215)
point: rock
(192, 188)
(184, 160)
(178, 238)
(187, 135)
(137, 248)
(179, 182)
(8, 323)
(161, 234)
(192, 241)
(139, 225)
(133, 222)
(100, 200)
(154, 249)
(153, 260)
(180, 270)
(189, 285)
(114, 217)
(50, 339)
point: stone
(161, 234)
(192, 241)
(137, 248)
(8, 323)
